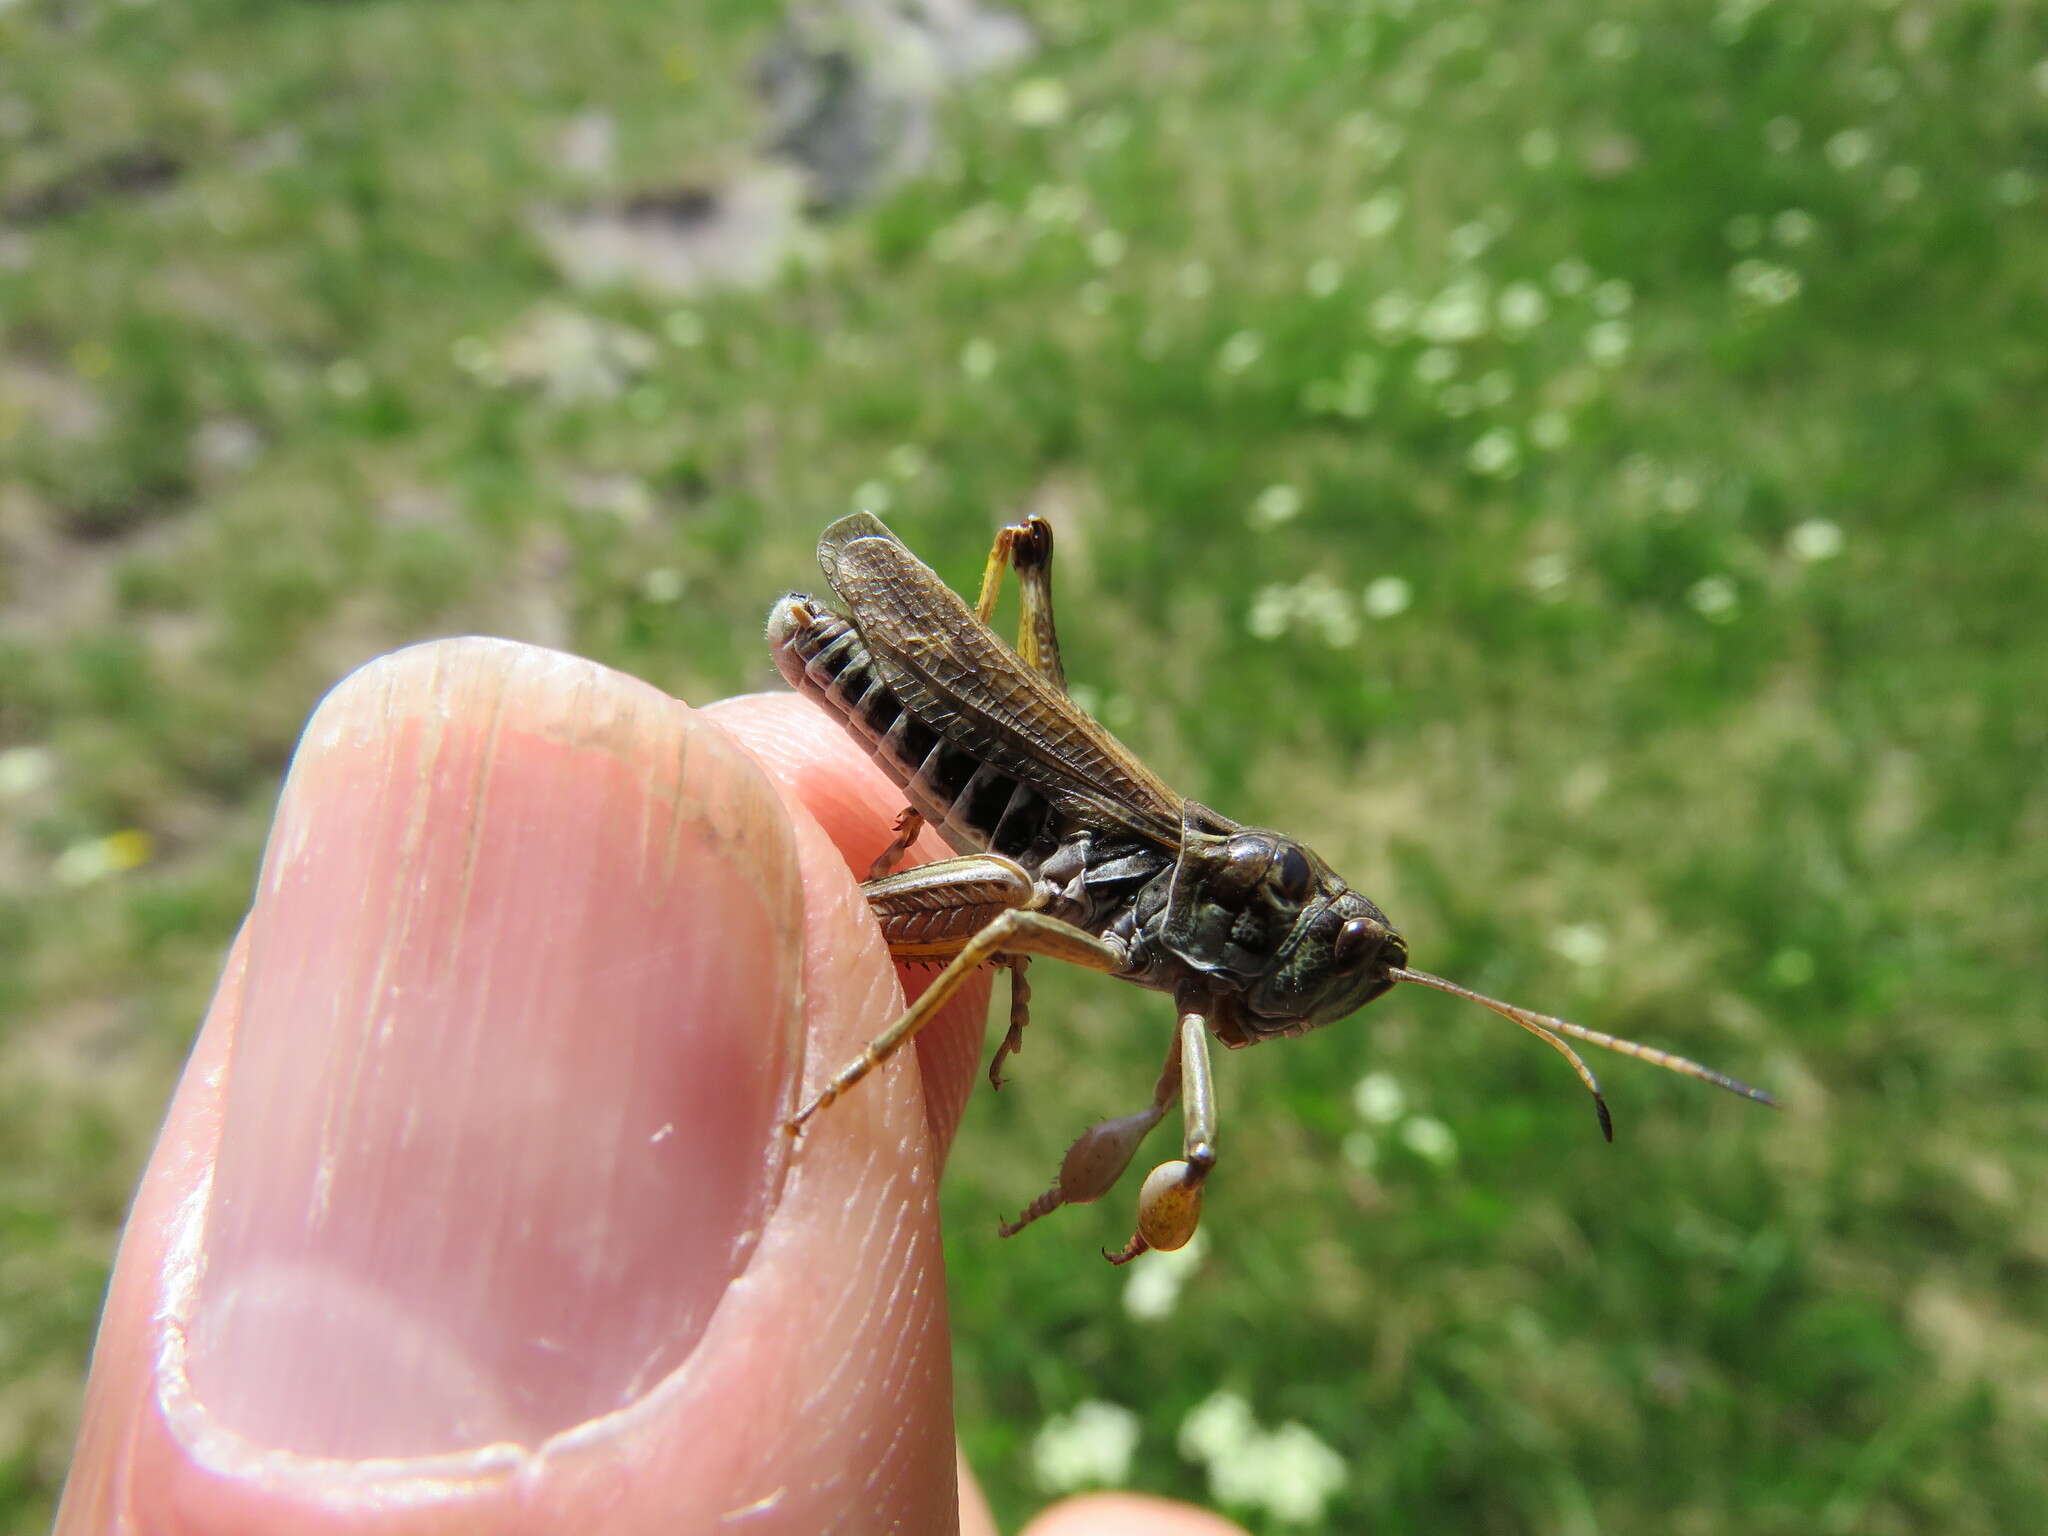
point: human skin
(473, 1211)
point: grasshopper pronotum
(1070, 848)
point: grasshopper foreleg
(908, 824)
(1100, 1154)
(1013, 933)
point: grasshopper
(1071, 849)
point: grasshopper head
(1281, 942)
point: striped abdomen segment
(973, 805)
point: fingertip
(821, 768)
(1129, 1514)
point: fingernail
(519, 1026)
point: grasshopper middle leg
(1017, 932)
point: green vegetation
(1580, 468)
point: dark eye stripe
(1291, 874)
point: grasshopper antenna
(1547, 1028)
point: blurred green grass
(1672, 378)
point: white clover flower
(1323, 278)
(1379, 139)
(1435, 365)
(1613, 298)
(1039, 102)
(1550, 430)
(1154, 1287)
(1194, 279)
(1327, 612)
(1815, 539)
(1106, 247)
(1090, 1447)
(1521, 307)
(24, 770)
(1848, 149)
(1468, 242)
(1782, 135)
(1581, 943)
(1495, 388)
(1794, 227)
(1765, 284)
(907, 461)
(347, 379)
(663, 584)
(872, 496)
(477, 358)
(1607, 343)
(1571, 277)
(1291, 1472)
(1714, 597)
(2013, 187)
(1386, 596)
(1457, 314)
(1377, 215)
(1393, 314)
(1379, 1099)
(1271, 606)
(95, 858)
(1240, 351)
(1215, 1426)
(1430, 1139)
(1275, 505)
(1052, 203)
(1496, 455)
(1546, 574)
(978, 358)
(1681, 494)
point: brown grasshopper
(1072, 849)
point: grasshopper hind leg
(1027, 546)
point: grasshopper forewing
(1068, 847)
